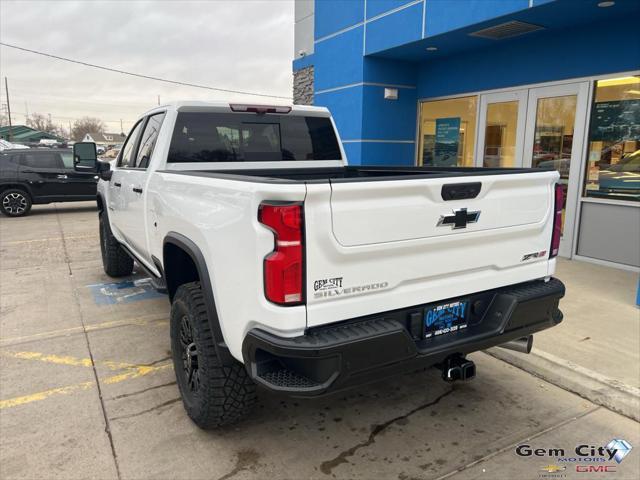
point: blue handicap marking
(126, 291)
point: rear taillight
(557, 221)
(283, 268)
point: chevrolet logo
(460, 218)
(553, 468)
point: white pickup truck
(289, 270)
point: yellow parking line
(67, 360)
(34, 397)
(89, 328)
(52, 239)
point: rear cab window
(49, 160)
(247, 137)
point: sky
(236, 44)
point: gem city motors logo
(586, 458)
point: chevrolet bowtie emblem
(459, 219)
(553, 468)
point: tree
(41, 122)
(86, 125)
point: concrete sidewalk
(595, 351)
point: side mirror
(85, 157)
(104, 170)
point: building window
(447, 132)
(613, 162)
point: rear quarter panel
(221, 217)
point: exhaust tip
(522, 345)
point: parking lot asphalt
(87, 391)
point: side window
(127, 157)
(41, 160)
(67, 159)
(148, 140)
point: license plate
(446, 318)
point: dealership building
(490, 83)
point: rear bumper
(358, 351)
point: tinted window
(128, 155)
(67, 159)
(41, 160)
(148, 141)
(6, 158)
(239, 137)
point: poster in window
(615, 120)
(447, 142)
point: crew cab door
(44, 173)
(120, 184)
(79, 184)
(132, 178)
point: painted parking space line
(52, 239)
(140, 371)
(67, 360)
(151, 320)
(129, 371)
(126, 291)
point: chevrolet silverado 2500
(290, 270)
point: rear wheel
(116, 262)
(213, 394)
(15, 202)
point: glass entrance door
(501, 129)
(554, 130)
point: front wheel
(15, 202)
(115, 261)
(213, 394)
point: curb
(586, 383)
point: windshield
(247, 137)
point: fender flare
(188, 246)
(20, 185)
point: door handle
(137, 190)
(63, 177)
(116, 184)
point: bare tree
(86, 125)
(41, 122)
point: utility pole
(158, 100)
(6, 88)
(121, 129)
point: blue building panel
(390, 72)
(353, 151)
(398, 28)
(379, 7)
(339, 60)
(379, 153)
(389, 119)
(346, 107)
(530, 59)
(303, 62)
(445, 15)
(332, 16)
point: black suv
(36, 176)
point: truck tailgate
(387, 244)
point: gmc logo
(595, 468)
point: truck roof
(218, 105)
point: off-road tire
(116, 262)
(15, 202)
(225, 394)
